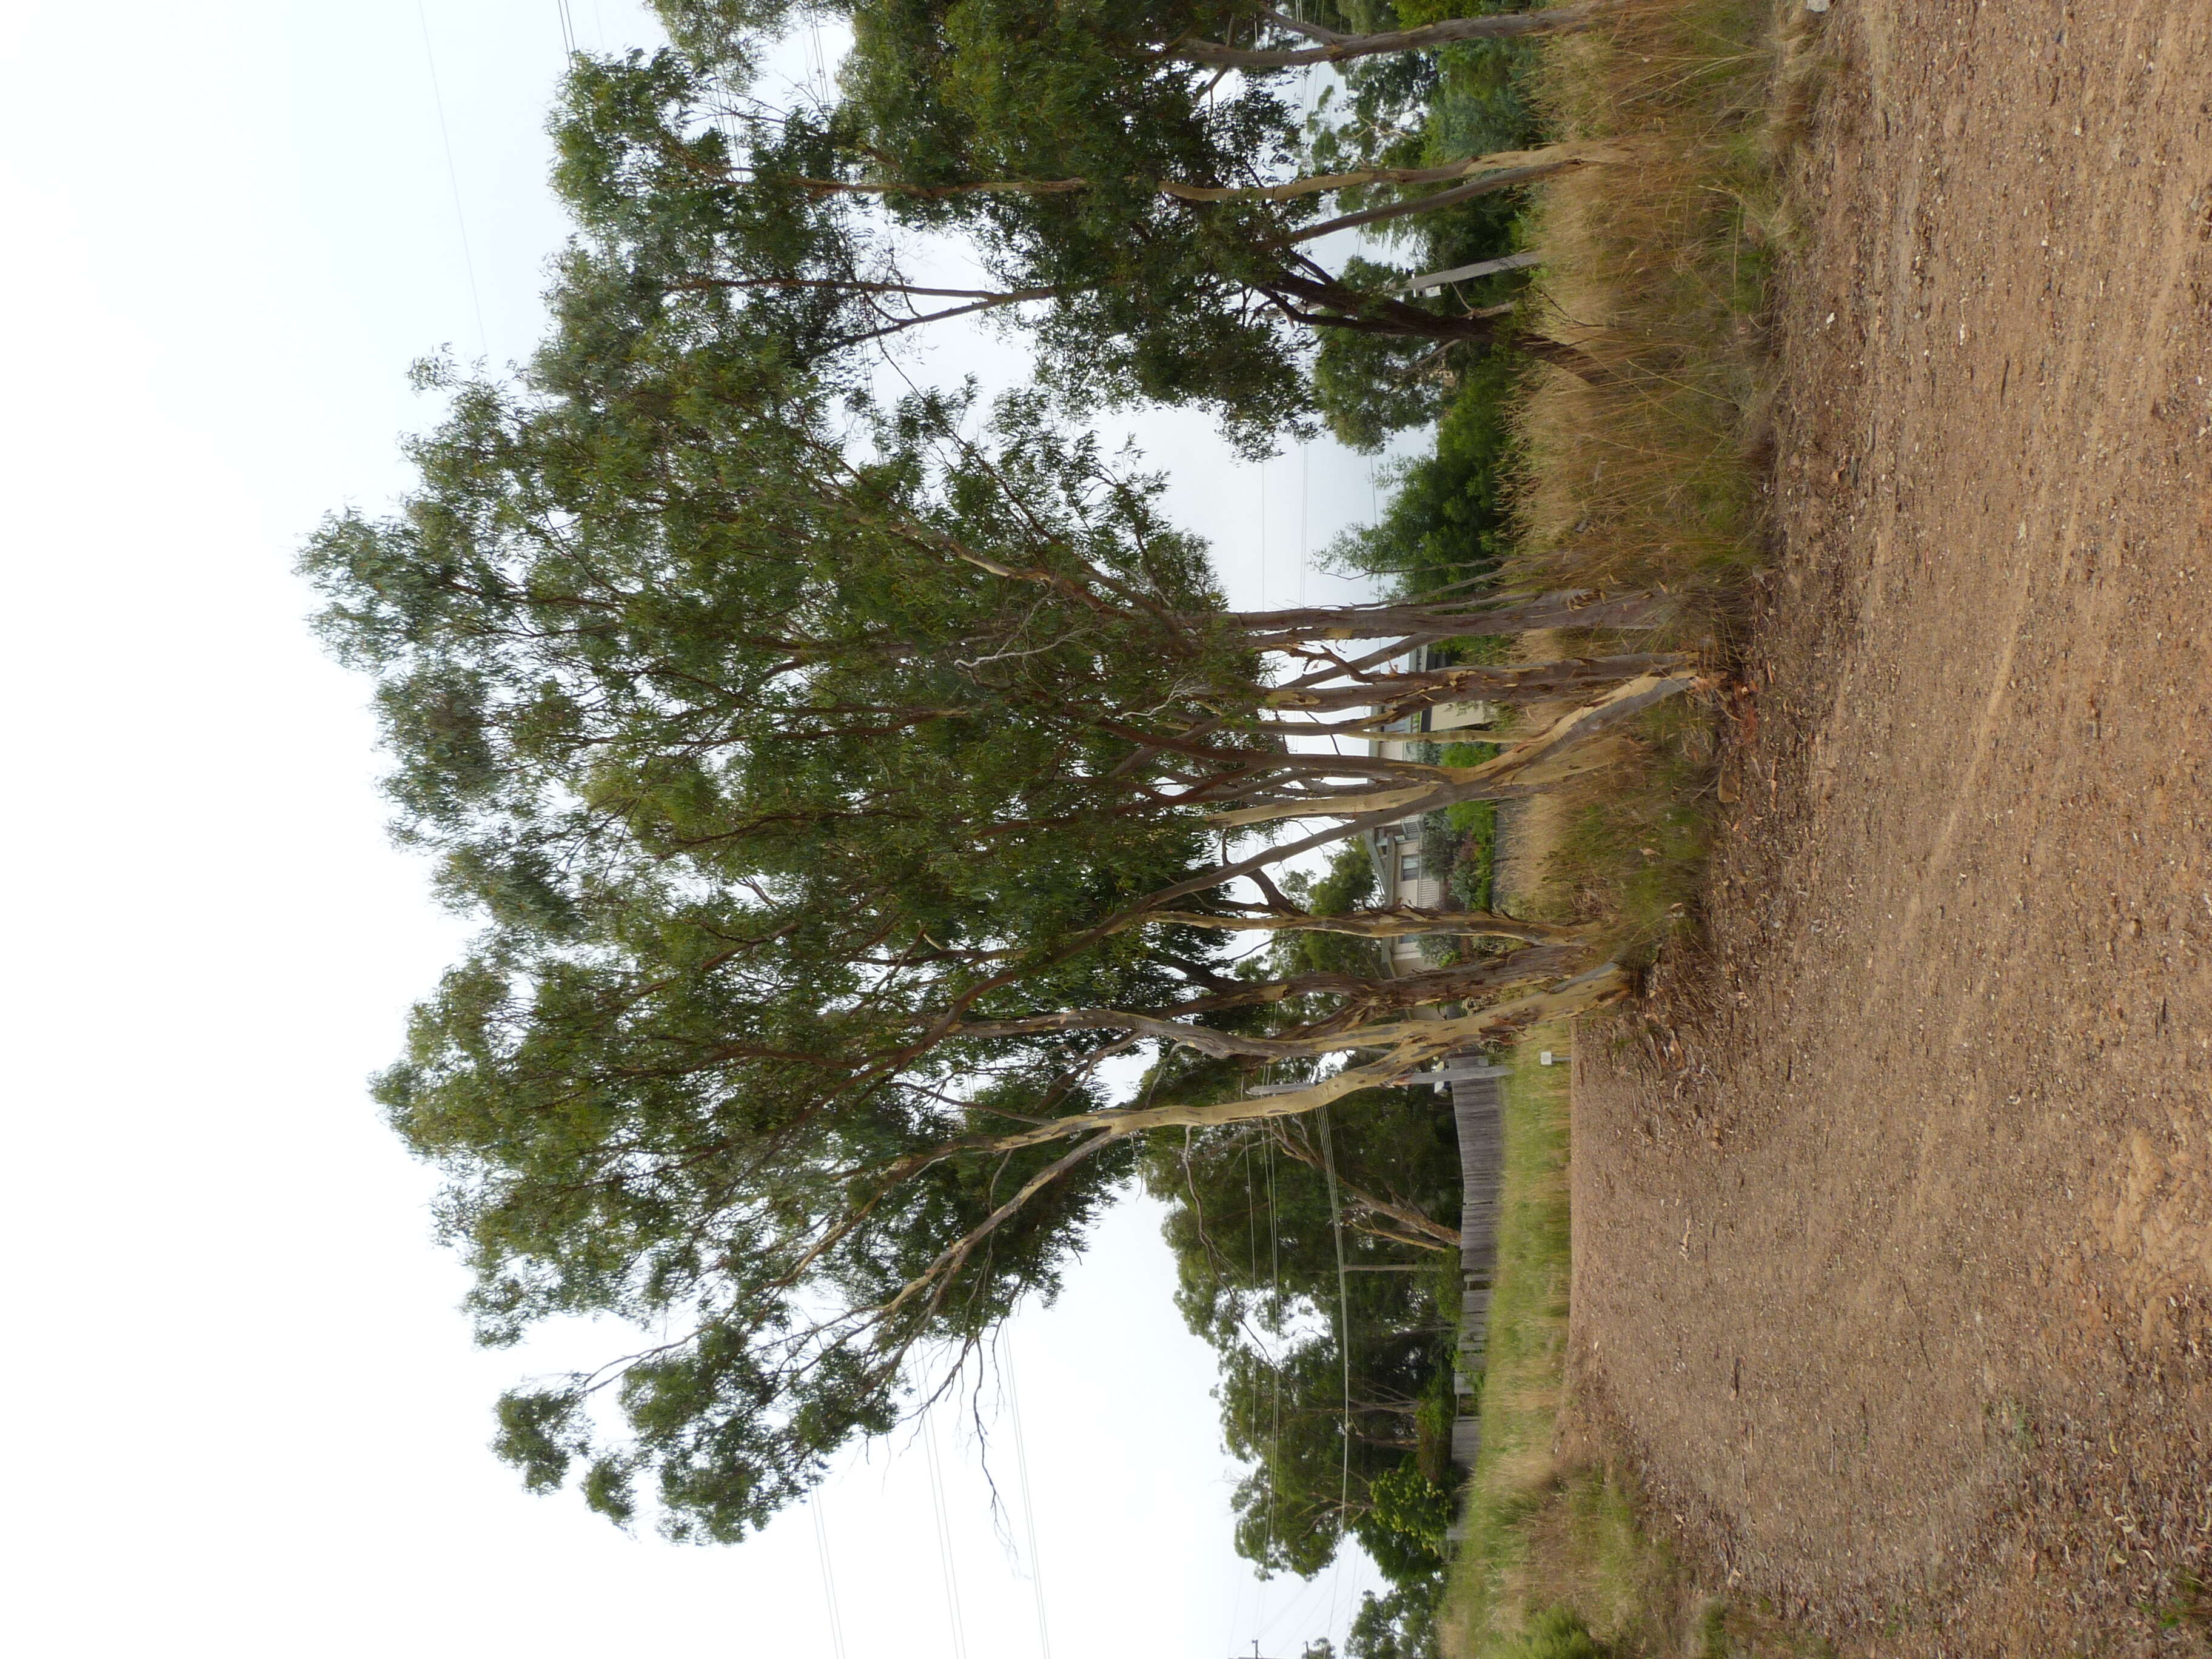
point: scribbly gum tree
(841, 785)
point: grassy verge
(1659, 266)
(1554, 1563)
(1524, 1372)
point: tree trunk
(1369, 996)
(1395, 696)
(1364, 312)
(1502, 179)
(1273, 630)
(1398, 921)
(1532, 162)
(1408, 1045)
(1499, 779)
(1338, 48)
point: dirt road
(1893, 1227)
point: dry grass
(1525, 1365)
(1658, 266)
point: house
(1399, 875)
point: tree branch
(1397, 921)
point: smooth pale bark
(1503, 180)
(1409, 1044)
(1397, 921)
(938, 1277)
(1270, 629)
(1397, 695)
(1501, 778)
(1517, 161)
(1340, 48)
(1584, 723)
(1171, 1024)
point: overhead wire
(829, 1579)
(454, 180)
(1029, 1508)
(945, 1560)
(1343, 1347)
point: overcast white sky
(247, 1419)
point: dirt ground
(1894, 1209)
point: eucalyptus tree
(1131, 184)
(840, 785)
(838, 794)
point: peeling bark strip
(1411, 1044)
(1500, 779)
(1395, 696)
(1338, 48)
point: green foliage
(1449, 518)
(707, 688)
(1150, 297)
(1423, 108)
(1045, 136)
(1402, 1625)
(1475, 824)
(1369, 386)
(1420, 110)
(799, 753)
(1348, 885)
(1249, 1222)
(1411, 1512)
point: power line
(1028, 1509)
(829, 1578)
(568, 28)
(1343, 1348)
(1305, 502)
(1262, 469)
(943, 1538)
(453, 180)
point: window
(1409, 866)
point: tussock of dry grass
(1657, 267)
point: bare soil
(1893, 1205)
